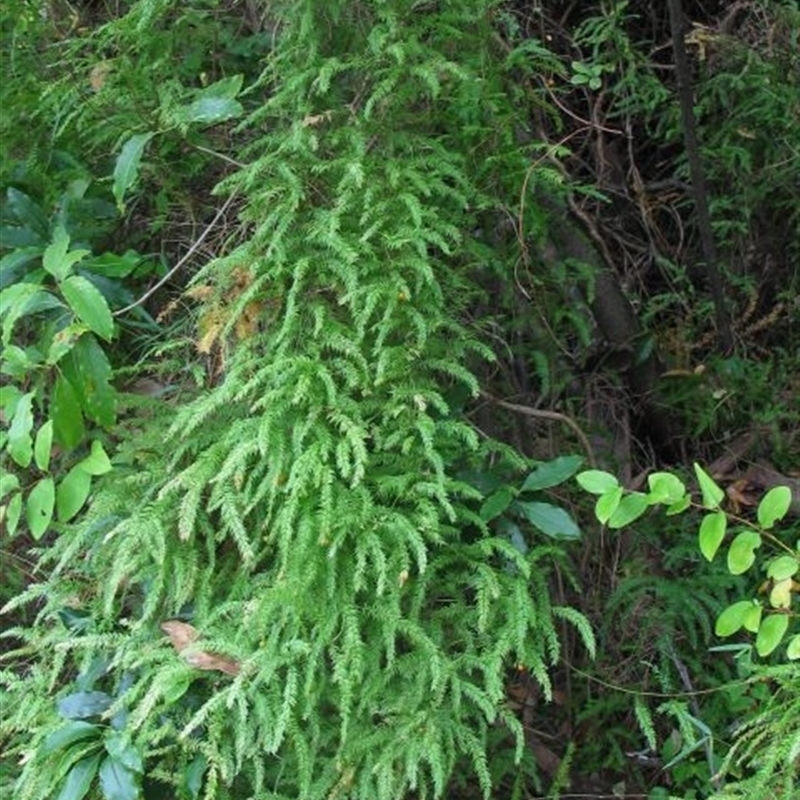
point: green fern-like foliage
(766, 749)
(305, 515)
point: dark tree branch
(698, 176)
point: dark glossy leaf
(13, 302)
(210, 110)
(65, 410)
(79, 779)
(73, 731)
(126, 170)
(117, 781)
(75, 619)
(496, 503)
(28, 213)
(552, 473)
(549, 519)
(83, 704)
(194, 776)
(58, 259)
(13, 265)
(88, 305)
(120, 748)
(111, 265)
(89, 372)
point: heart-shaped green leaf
(774, 505)
(741, 553)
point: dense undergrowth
(310, 314)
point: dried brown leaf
(182, 635)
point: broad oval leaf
(72, 493)
(89, 306)
(65, 411)
(732, 618)
(83, 704)
(793, 648)
(39, 507)
(752, 618)
(126, 170)
(552, 473)
(549, 519)
(596, 481)
(712, 532)
(210, 110)
(28, 213)
(774, 505)
(20, 443)
(120, 748)
(58, 260)
(9, 482)
(630, 508)
(193, 777)
(43, 446)
(770, 633)
(741, 553)
(88, 370)
(13, 513)
(712, 494)
(79, 779)
(14, 304)
(73, 731)
(496, 503)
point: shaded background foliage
(540, 152)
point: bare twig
(189, 253)
(554, 416)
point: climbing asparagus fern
(351, 613)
